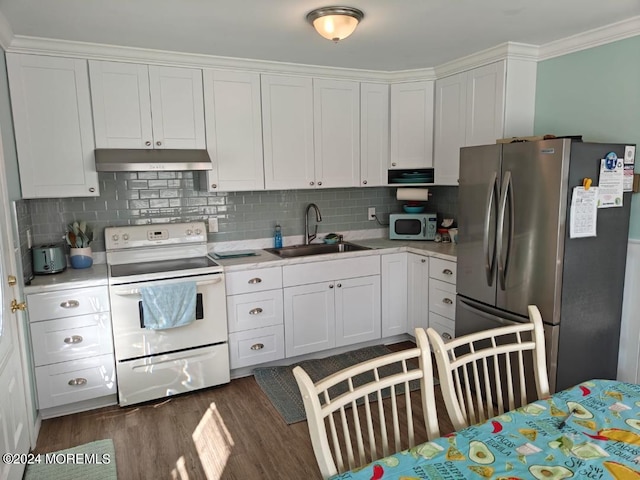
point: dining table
(589, 431)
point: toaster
(48, 259)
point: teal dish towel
(169, 306)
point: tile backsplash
(133, 198)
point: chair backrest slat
(486, 372)
(347, 431)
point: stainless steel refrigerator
(514, 250)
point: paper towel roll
(415, 194)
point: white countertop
(70, 278)
(263, 259)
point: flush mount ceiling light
(335, 23)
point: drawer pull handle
(255, 311)
(73, 339)
(448, 301)
(253, 281)
(446, 336)
(77, 382)
(257, 346)
(446, 271)
(70, 304)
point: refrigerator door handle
(489, 262)
(502, 259)
(512, 220)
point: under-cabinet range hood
(150, 160)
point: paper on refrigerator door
(610, 184)
(584, 212)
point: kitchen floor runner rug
(280, 386)
(91, 461)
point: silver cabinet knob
(92, 189)
(77, 382)
(257, 346)
(311, 183)
(319, 183)
(73, 339)
(255, 280)
(446, 271)
(213, 185)
(393, 164)
(423, 260)
(158, 143)
(255, 311)
(331, 286)
(364, 182)
(147, 143)
(339, 285)
(70, 304)
(448, 301)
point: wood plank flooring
(228, 432)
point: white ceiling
(394, 35)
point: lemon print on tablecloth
(485, 472)
(579, 411)
(480, 453)
(550, 472)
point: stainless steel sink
(315, 249)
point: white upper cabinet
(336, 129)
(311, 132)
(287, 122)
(53, 126)
(140, 106)
(374, 134)
(412, 125)
(479, 106)
(234, 131)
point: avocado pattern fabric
(590, 431)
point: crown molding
(627, 28)
(6, 32)
(521, 51)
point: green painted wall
(594, 93)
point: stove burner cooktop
(161, 266)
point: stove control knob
(189, 232)
(115, 237)
(198, 231)
(125, 237)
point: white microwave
(413, 226)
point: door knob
(15, 306)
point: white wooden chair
(354, 426)
(484, 374)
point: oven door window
(199, 310)
(408, 227)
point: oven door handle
(136, 291)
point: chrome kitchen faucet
(309, 238)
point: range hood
(150, 160)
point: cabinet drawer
(75, 381)
(254, 280)
(254, 310)
(256, 346)
(444, 326)
(66, 339)
(67, 303)
(442, 298)
(444, 270)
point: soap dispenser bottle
(277, 237)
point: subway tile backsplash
(133, 198)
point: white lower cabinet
(442, 297)
(72, 349)
(255, 316)
(331, 304)
(417, 292)
(394, 293)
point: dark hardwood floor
(228, 432)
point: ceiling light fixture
(335, 23)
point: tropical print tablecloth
(600, 440)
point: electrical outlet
(213, 225)
(371, 213)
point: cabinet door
(177, 107)
(394, 294)
(450, 125)
(53, 126)
(287, 122)
(309, 318)
(357, 310)
(336, 127)
(485, 104)
(374, 134)
(412, 125)
(234, 131)
(121, 105)
(418, 292)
